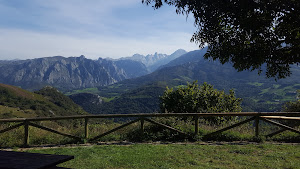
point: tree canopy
(247, 34)
(199, 99)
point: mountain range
(78, 72)
(68, 73)
(134, 84)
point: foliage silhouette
(246, 33)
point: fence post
(86, 128)
(196, 125)
(26, 133)
(142, 125)
(256, 126)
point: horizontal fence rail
(254, 116)
(288, 114)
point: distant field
(185, 156)
(86, 90)
(268, 97)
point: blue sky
(94, 28)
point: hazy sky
(94, 28)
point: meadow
(183, 155)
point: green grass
(276, 86)
(105, 99)
(7, 112)
(255, 83)
(86, 90)
(115, 86)
(277, 94)
(181, 156)
(280, 91)
(263, 91)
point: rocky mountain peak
(153, 61)
(66, 73)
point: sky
(93, 28)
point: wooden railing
(254, 116)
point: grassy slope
(16, 102)
(181, 156)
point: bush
(200, 99)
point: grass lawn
(181, 156)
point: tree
(199, 99)
(247, 34)
(293, 106)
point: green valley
(141, 94)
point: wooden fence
(253, 116)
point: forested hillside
(17, 102)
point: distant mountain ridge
(192, 56)
(68, 73)
(153, 61)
